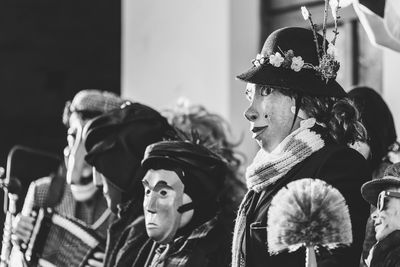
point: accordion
(60, 241)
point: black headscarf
(378, 121)
(117, 140)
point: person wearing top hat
(116, 143)
(182, 186)
(302, 121)
(384, 194)
(71, 192)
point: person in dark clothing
(302, 120)
(384, 194)
(380, 147)
(71, 192)
(214, 132)
(378, 121)
(182, 185)
(116, 143)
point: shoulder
(339, 153)
(214, 248)
(339, 162)
(393, 258)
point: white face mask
(83, 192)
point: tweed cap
(370, 190)
(95, 100)
(91, 103)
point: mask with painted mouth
(83, 192)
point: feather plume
(310, 213)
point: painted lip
(258, 130)
(151, 225)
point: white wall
(174, 48)
(391, 84)
(190, 48)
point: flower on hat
(305, 13)
(331, 50)
(276, 60)
(297, 64)
(328, 67)
(259, 60)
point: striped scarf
(268, 168)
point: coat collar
(384, 247)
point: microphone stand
(11, 189)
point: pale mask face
(164, 194)
(270, 115)
(387, 220)
(79, 172)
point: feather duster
(309, 213)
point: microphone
(13, 185)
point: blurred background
(154, 52)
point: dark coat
(213, 250)
(339, 166)
(125, 236)
(387, 252)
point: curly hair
(210, 128)
(339, 116)
(393, 170)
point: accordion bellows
(308, 212)
(61, 241)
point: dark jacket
(387, 252)
(125, 236)
(206, 246)
(339, 166)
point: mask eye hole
(163, 193)
(266, 90)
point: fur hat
(370, 190)
(117, 140)
(289, 60)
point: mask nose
(76, 165)
(250, 114)
(151, 203)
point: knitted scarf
(267, 168)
